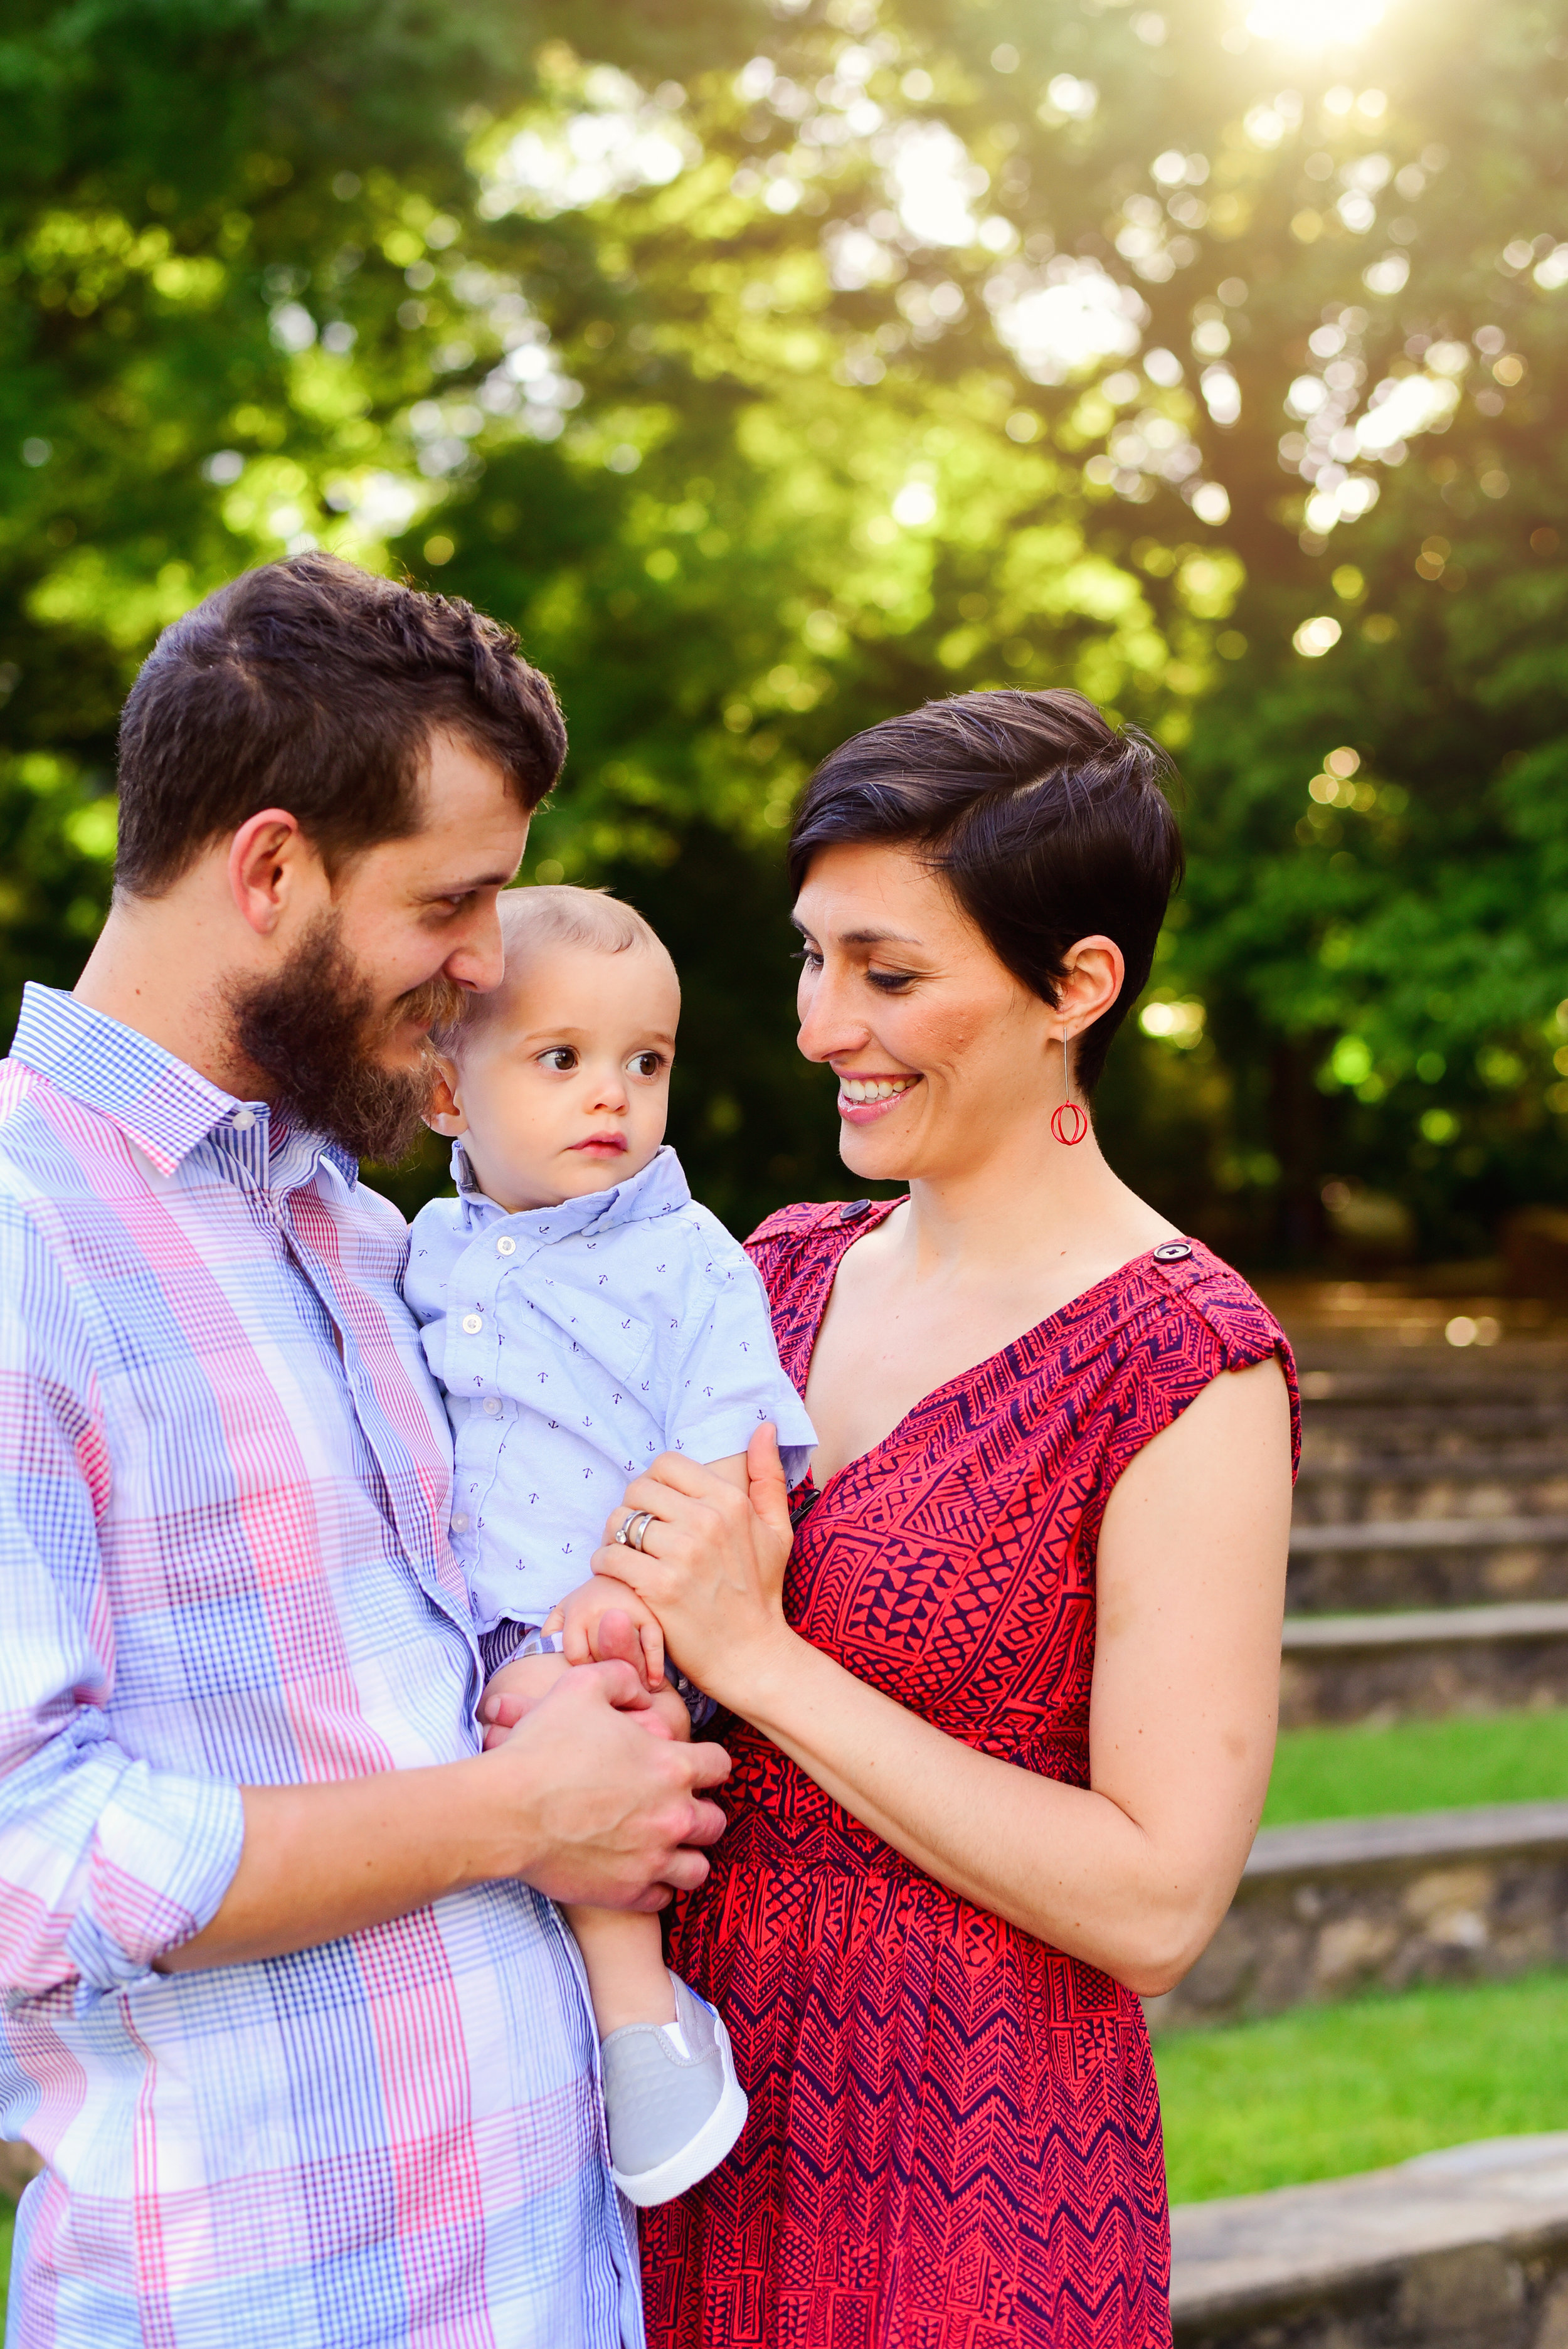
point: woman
(1003, 1732)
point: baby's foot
(674, 2110)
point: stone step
(1400, 1387)
(1350, 1577)
(1423, 1662)
(1341, 1906)
(1467, 2249)
(1426, 1533)
(1488, 1464)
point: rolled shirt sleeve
(106, 1863)
(729, 1379)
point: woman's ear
(445, 1114)
(1095, 971)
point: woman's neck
(1019, 1199)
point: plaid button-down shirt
(224, 1485)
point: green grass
(1419, 1766)
(1323, 2092)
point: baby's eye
(647, 1064)
(560, 1057)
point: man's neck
(152, 969)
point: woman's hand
(710, 1565)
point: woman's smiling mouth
(862, 1099)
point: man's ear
(265, 860)
(445, 1114)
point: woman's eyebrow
(866, 937)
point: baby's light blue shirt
(574, 1345)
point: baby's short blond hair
(544, 916)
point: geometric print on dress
(953, 2139)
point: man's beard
(315, 1029)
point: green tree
(772, 372)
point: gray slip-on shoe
(672, 2117)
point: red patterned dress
(954, 2140)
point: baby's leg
(624, 1954)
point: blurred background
(771, 369)
(774, 368)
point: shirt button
(243, 1120)
(473, 1323)
(506, 1247)
(492, 1405)
(461, 1522)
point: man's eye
(561, 1056)
(648, 1064)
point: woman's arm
(1132, 1874)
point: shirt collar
(657, 1189)
(162, 1105)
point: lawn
(1323, 2092)
(1326, 2091)
(1419, 1766)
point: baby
(582, 1315)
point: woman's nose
(827, 1023)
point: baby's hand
(515, 1689)
(583, 1614)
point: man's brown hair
(313, 686)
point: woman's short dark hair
(1047, 823)
(313, 686)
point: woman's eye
(562, 1058)
(891, 982)
(809, 955)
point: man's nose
(479, 961)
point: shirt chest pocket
(557, 1325)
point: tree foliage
(772, 371)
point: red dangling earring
(1070, 1123)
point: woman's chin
(871, 1155)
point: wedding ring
(640, 1520)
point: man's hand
(590, 1800)
(618, 1812)
(527, 1680)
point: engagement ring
(641, 1519)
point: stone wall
(1347, 1906)
(1462, 2249)
(1470, 1660)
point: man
(304, 2050)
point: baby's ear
(445, 1113)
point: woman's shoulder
(1216, 1295)
(1230, 1327)
(797, 1250)
(790, 1225)
(808, 1227)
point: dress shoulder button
(1173, 1251)
(852, 1210)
